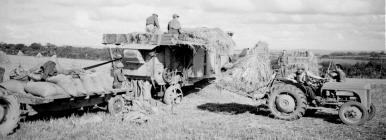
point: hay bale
(15, 86)
(66, 82)
(109, 38)
(97, 83)
(248, 74)
(107, 82)
(87, 83)
(293, 59)
(46, 90)
(79, 87)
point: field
(207, 112)
(343, 61)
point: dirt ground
(207, 113)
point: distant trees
(371, 69)
(61, 51)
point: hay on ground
(249, 73)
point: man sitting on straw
(174, 26)
(302, 77)
(152, 24)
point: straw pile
(249, 73)
(293, 59)
(213, 38)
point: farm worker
(282, 61)
(302, 77)
(152, 24)
(2, 71)
(46, 70)
(174, 26)
(119, 77)
(338, 74)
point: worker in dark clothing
(152, 24)
(302, 77)
(338, 74)
(282, 61)
(174, 26)
(2, 71)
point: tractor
(287, 100)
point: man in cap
(303, 78)
(152, 24)
(174, 26)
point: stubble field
(205, 113)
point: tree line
(60, 51)
(372, 69)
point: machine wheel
(116, 105)
(353, 113)
(372, 111)
(173, 95)
(287, 102)
(167, 75)
(9, 114)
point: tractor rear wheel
(353, 113)
(372, 111)
(287, 102)
(9, 113)
(116, 105)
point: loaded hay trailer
(18, 99)
(170, 61)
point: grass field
(209, 113)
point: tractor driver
(302, 77)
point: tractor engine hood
(350, 85)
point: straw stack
(293, 59)
(214, 38)
(249, 73)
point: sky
(283, 24)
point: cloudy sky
(284, 24)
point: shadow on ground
(235, 108)
(328, 117)
(231, 108)
(46, 116)
(197, 86)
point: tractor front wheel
(287, 102)
(353, 113)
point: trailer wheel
(116, 105)
(173, 95)
(9, 114)
(353, 113)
